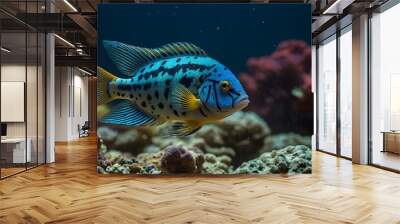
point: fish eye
(225, 86)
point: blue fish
(176, 83)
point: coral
(107, 135)
(279, 141)
(113, 161)
(177, 159)
(216, 164)
(239, 136)
(225, 147)
(279, 87)
(291, 160)
(124, 139)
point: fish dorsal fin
(129, 58)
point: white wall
(71, 102)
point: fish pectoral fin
(123, 112)
(182, 128)
(184, 100)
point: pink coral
(279, 86)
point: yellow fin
(184, 100)
(182, 128)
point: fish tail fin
(103, 79)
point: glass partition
(327, 95)
(22, 88)
(14, 146)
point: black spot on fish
(163, 63)
(176, 113)
(178, 60)
(152, 107)
(147, 75)
(140, 77)
(166, 93)
(183, 113)
(156, 94)
(123, 95)
(161, 106)
(140, 95)
(196, 57)
(202, 112)
(186, 81)
(148, 97)
(225, 68)
(219, 75)
(151, 65)
(215, 70)
(202, 78)
(118, 93)
(167, 82)
(167, 117)
(170, 106)
(147, 86)
(136, 98)
(131, 96)
(142, 70)
(143, 104)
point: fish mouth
(242, 103)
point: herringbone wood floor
(70, 191)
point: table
(15, 148)
(391, 141)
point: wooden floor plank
(70, 191)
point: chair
(84, 130)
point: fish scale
(124, 87)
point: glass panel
(31, 97)
(327, 95)
(41, 98)
(385, 84)
(13, 86)
(346, 93)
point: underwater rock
(216, 164)
(107, 135)
(239, 136)
(132, 140)
(291, 160)
(177, 159)
(124, 139)
(150, 159)
(279, 141)
(242, 133)
(284, 77)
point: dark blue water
(230, 33)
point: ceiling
(75, 22)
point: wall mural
(204, 89)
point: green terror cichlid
(176, 83)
